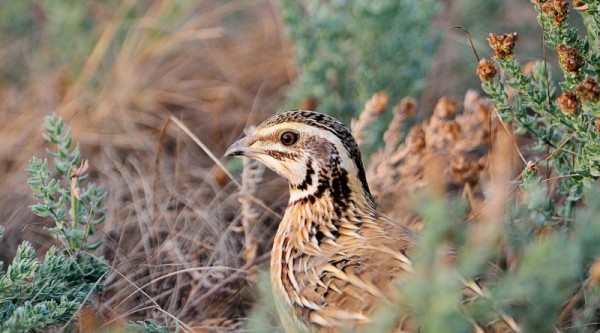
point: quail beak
(242, 147)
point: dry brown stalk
(374, 107)
(407, 107)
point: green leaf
(40, 210)
(76, 234)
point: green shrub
(76, 210)
(38, 294)
(545, 286)
(347, 51)
(538, 258)
(566, 125)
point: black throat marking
(332, 179)
(310, 172)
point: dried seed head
(597, 125)
(374, 107)
(416, 138)
(451, 131)
(568, 103)
(557, 10)
(445, 108)
(588, 90)
(503, 45)
(595, 272)
(569, 58)
(378, 103)
(486, 69)
(465, 170)
(407, 107)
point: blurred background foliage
(346, 51)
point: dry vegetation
(173, 233)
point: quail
(334, 256)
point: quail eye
(288, 138)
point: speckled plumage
(334, 255)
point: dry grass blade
(157, 306)
(93, 61)
(208, 152)
(220, 164)
(484, 293)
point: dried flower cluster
(569, 58)
(455, 144)
(392, 137)
(588, 90)
(558, 10)
(486, 69)
(568, 103)
(503, 45)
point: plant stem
(73, 210)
